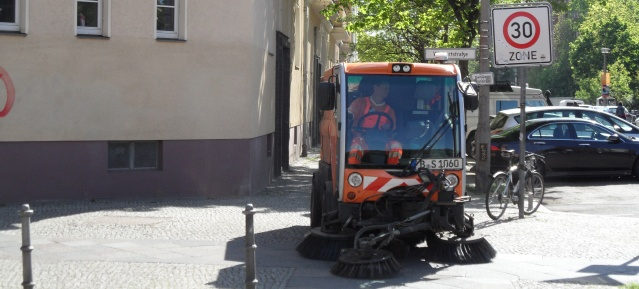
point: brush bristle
(366, 264)
(320, 247)
(460, 251)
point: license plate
(446, 164)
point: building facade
(158, 97)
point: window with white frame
(134, 155)
(9, 15)
(170, 19)
(92, 17)
(89, 17)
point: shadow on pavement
(590, 181)
(276, 250)
(292, 189)
(601, 274)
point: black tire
(635, 170)
(496, 198)
(534, 192)
(470, 145)
(316, 201)
(329, 202)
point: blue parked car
(571, 146)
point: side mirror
(614, 138)
(326, 95)
(471, 101)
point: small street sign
(487, 78)
(522, 34)
(453, 53)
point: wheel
(534, 192)
(635, 170)
(316, 201)
(497, 196)
(470, 145)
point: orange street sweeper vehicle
(391, 171)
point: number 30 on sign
(522, 34)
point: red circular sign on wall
(521, 30)
(11, 93)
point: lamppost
(604, 51)
(605, 79)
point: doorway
(282, 104)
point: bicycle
(504, 186)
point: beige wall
(219, 84)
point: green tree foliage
(613, 24)
(558, 77)
(401, 29)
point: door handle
(584, 144)
(539, 142)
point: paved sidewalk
(198, 243)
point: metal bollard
(251, 279)
(27, 274)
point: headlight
(396, 68)
(451, 182)
(355, 180)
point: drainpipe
(305, 68)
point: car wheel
(635, 170)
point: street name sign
(522, 34)
(453, 53)
(486, 78)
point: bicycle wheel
(497, 196)
(534, 192)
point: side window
(574, 114)
(599, 133)
(562, 131)
(544, 132)
(170, 19)
(498, 121)
(535, 102)
(624, 126)
(551, 114)
(584, 131)
(600, 119)
(505, 104)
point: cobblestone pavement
(198, 243)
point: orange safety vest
(371, 120)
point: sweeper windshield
(391, 117)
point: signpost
(453, 53)
(487, 78)
(522, 36)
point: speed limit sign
(522, 34)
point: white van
(502, 96)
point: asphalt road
(609, 196)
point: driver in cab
(372, 113)
(374, 109)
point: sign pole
(482, 137)
(521, 72)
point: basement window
(134, 155)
